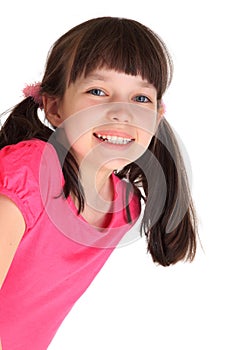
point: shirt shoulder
(27, 150)
(20, 166)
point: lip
(117, 133)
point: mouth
(114, 139)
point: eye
(142, 99)
(97, 92)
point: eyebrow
(147, 85)
(91, 77)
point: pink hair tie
(163, 107)
(33, 91)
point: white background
(133, 303)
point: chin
(116, 165)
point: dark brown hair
(126, 46)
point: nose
(119, 113)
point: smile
(117, 140)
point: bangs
(125, 46)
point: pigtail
(169, 217)
(23, 123)
(171, 237)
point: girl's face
(109, 117)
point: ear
(50, 105)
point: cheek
(144, 138)
(81, 145)
(146, 124)
(146, 130)
(77, 131)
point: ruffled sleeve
(19, 177)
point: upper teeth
(114, 139)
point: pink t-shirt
(59, 254)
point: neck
(97, 187)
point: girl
(71, 187)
